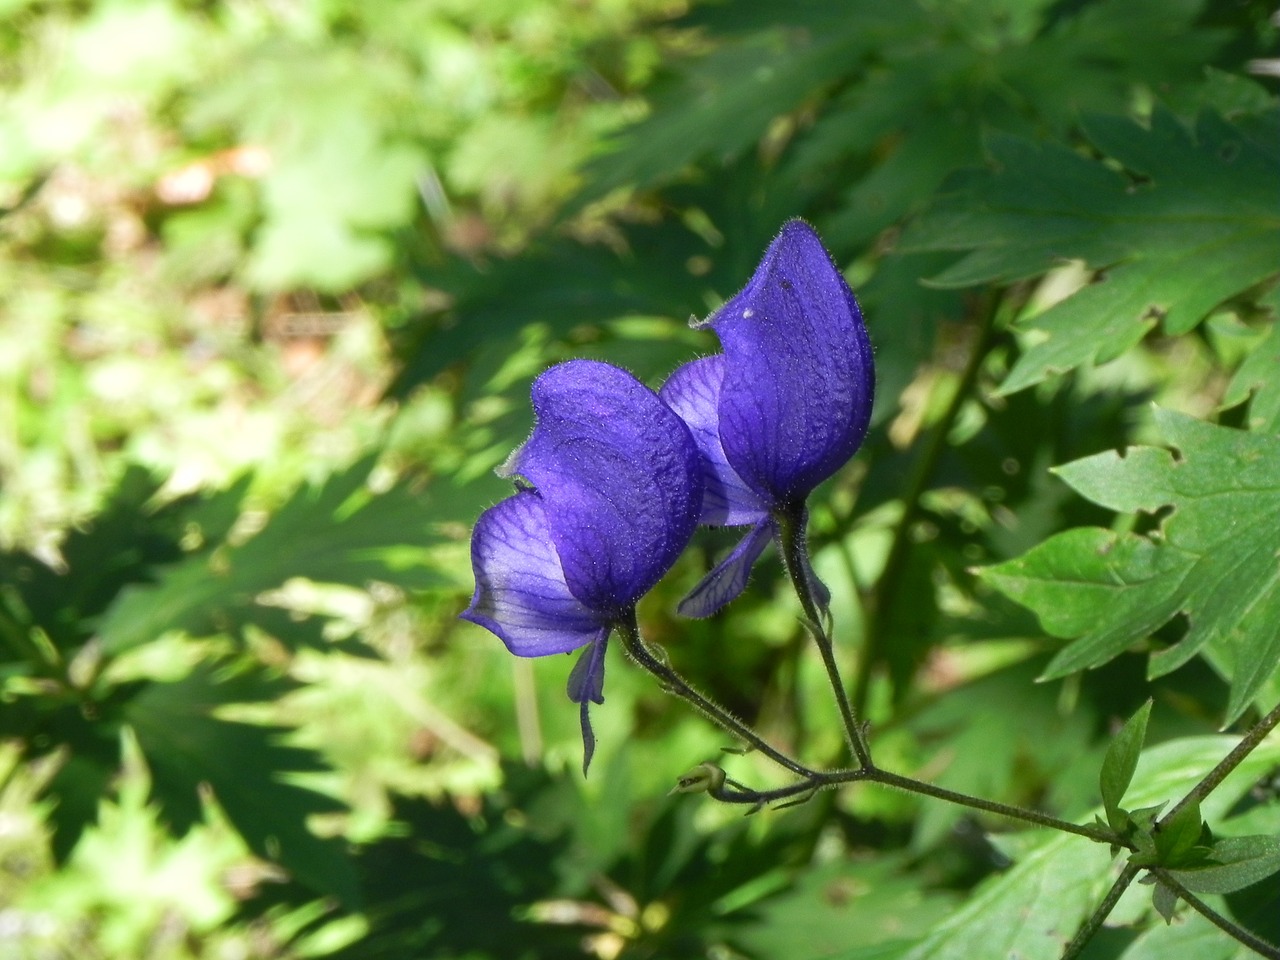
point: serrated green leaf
(1235, 863)
(337, 532)
(1216, 560)
(1033, 909)
(724, 103)
(247, 766)
(1193, 222)
(1108, 589)
(1258, 378)
(1120, 761)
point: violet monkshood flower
(610, 487)
(781, 409)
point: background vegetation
(274, 280)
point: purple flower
(609, 492)
(781, 409)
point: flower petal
(586, 686)
(620, 477)
(821, 594)
(693, 392)
(521, 595)
(799, 378)
(729, 577)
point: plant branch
(674, 683)
(911, 785)
(1246, 746)
(1099, 916)
(1236, 932)
(791, 546)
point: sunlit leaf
(1187, 223)
(1033, 909)
(338, 532)
(1120, 762)
(1215, 558)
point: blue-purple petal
(586, 686)
(799, 378)
(817, 589)
(521, 595)
(619, 475)
(693, 392)
(729, 577)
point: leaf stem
(1236, 932)
(673, 682)
(1099, 916)
(891, 577)
(1246, 746)
(911, 785)
(791, 546)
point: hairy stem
(911, 785)
(1246, 746)
(674, 683)
(1095, 921)
(792, 547)
(1236, 932)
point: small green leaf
(1120, 762)
(1235, 863)
(1257, 380)
(1177, 836)
(1165, 901)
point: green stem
(1251, 740)
(813, 780)
(1238, 933)
(673, 682)
(1095, 921)
(792, 547)
(911, 785)
(890, 581)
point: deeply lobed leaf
(1190, 223)
(1216, 558)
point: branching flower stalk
(615, 478)
(811, 781)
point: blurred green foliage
(274, 280)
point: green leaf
(1120, 762)
(338, 532)
(247, 766)
(1258, 378)
(1165, 901)
(1034, 908)
(1177, 836)
(1190, 223)
(1108, 589)
(1214, 559)
(1235, 863)
(1192, 937)
(723, 104)
(119, 546)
